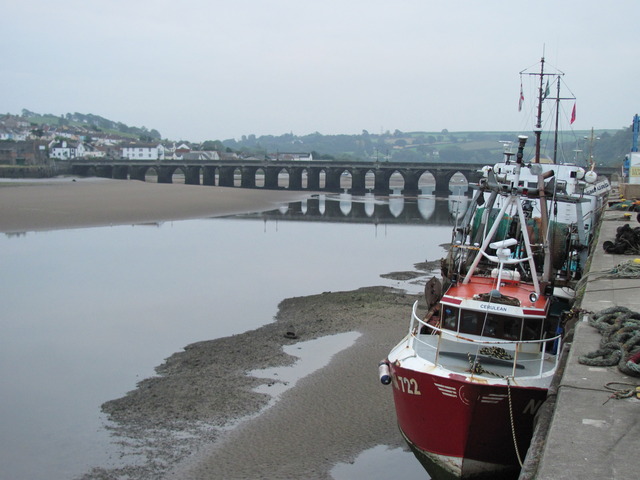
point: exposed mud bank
(204, 388)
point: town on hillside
(22, 144)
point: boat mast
(543, 94)
(538, 128)
(555, 138)
(544, 208)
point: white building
(291, 156)
(143, 152)
(62, 150)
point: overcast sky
(218, 69)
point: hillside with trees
(92, 123)
(608, 147)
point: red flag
(573, 114)
(521, 98)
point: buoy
(590, 176)
(383, 372)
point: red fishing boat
(470, 375)
(472, 372)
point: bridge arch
(237, 177)
(304, 178)
(92, 172)
(458, 184)
(453, 181)
(172, 174)
(284, 178)
(426, 182)
(397, 181)
(346, 179)
(259, 177)
(150, 174)
(370, 179)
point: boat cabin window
(469, 322)
(498, 326)
(450, 318)
(491, 325)
(532, 329)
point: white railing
(416, 325)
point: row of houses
(22, 144)
(64, 150)
(33, 152)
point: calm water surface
(88, 313)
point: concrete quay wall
(590, 434)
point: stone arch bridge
(302, 175)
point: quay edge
(581, 432)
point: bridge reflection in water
(395, 209)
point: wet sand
(172, 421)
(77, 203)
(330, 416)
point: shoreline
(66, 203)
(330, 416)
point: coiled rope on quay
(628, 269)
(620, 344)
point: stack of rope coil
(620, 344)
(627, 241)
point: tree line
(607, 147)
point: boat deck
(457, 356)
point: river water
(88, 313)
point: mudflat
(76, 203)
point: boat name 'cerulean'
(494, 308)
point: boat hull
(461, 427)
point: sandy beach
(328, 417)
(77, 203)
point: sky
(219, 69)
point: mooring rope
(628, 269)
(477, 369)
(513, 426)
(619, 393)
(620, 344)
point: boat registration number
(406, 385)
